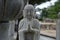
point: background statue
(29, 28)
(9, 10)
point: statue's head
(28, 11)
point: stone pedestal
(7, 30)
(4, 27)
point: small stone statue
(29, 28)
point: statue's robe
(23, 27)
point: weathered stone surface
(9, 9)
(4, 27)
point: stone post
(11, 29)
(48, 27)
(58, 28)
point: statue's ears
(24, 15)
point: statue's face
(29, 12)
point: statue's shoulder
(36, 20)
(36, 23)
(21, 21)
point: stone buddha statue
(29, 27)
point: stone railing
(46, 25)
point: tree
(52, 11)
(37, 1)
(44, 14)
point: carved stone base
(4, 27)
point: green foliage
(57, 6)
(52, 11)
(44, 12)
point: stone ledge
(48, 36)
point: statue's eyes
(29, 11)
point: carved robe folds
(29, 30)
